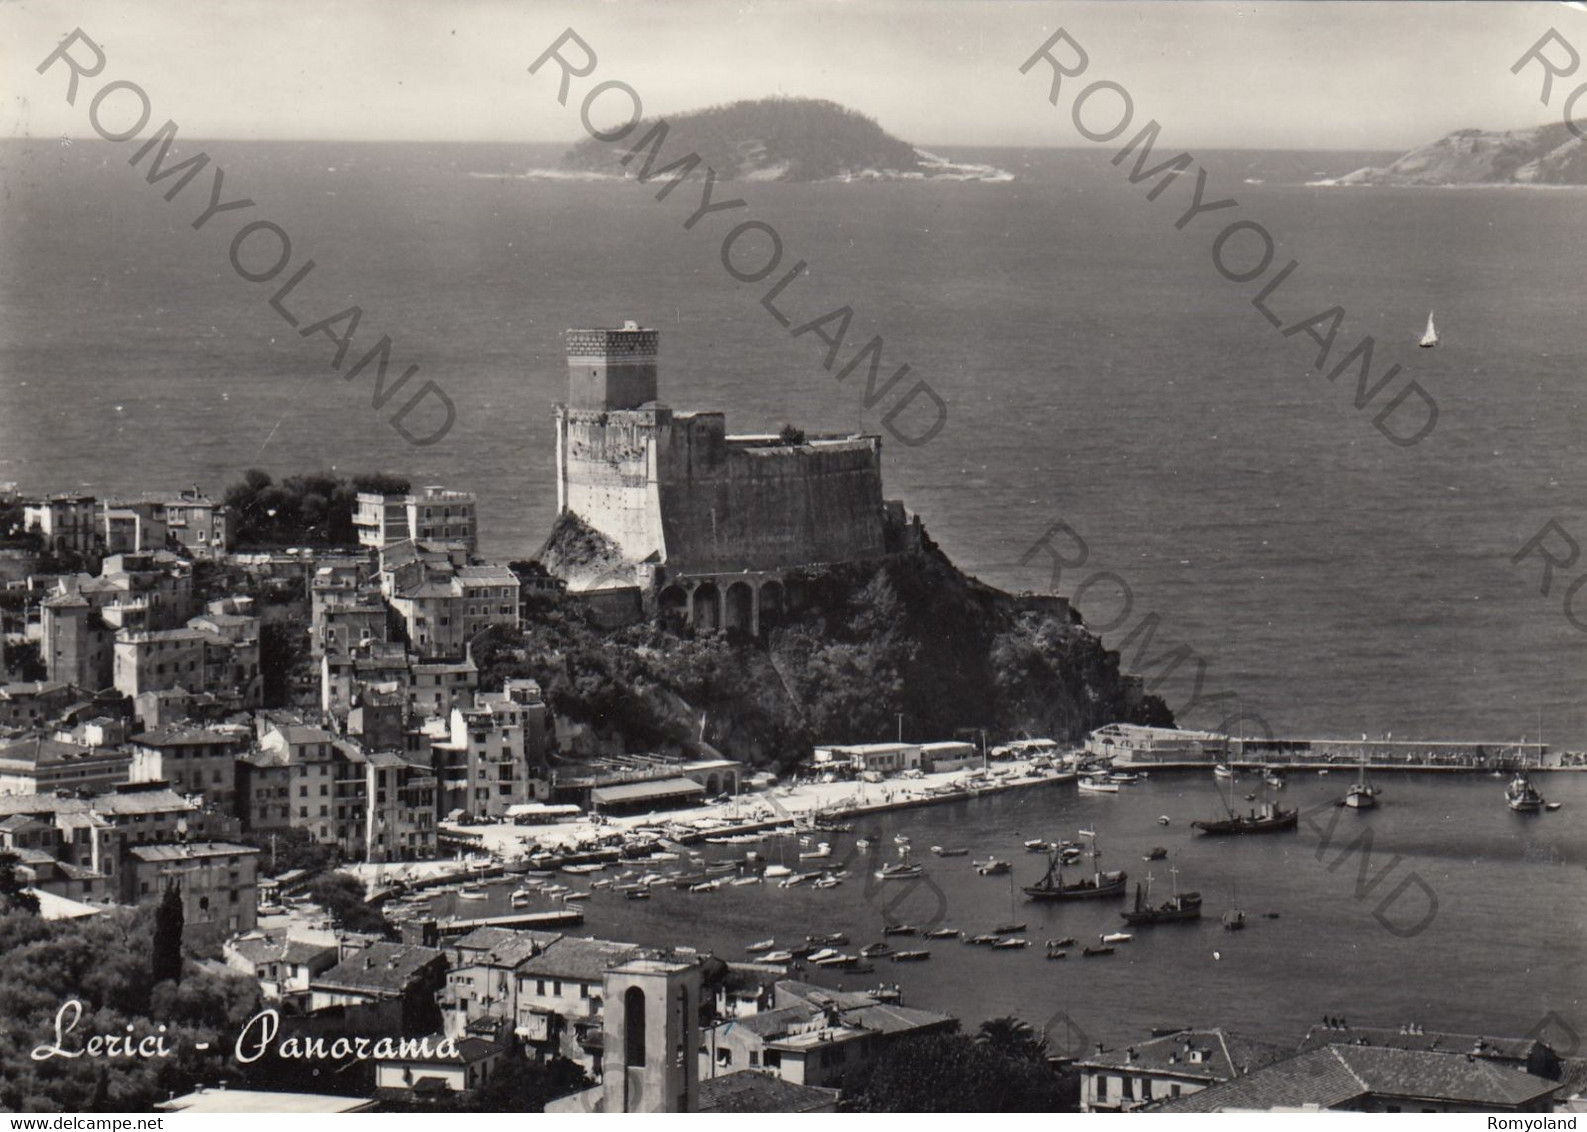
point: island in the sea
(782, 139)
(1546, 155)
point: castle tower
(612, 369)
(652, 1022)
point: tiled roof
(191, 850)
(1341, 1074)
(750, 1090)
(186, 737)
(381, 968)
(579, 958)
(1224, 1055)
(469, 1050)
(1438, 1041)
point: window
(1102, 1088)
(556, 987)
(1127, 1091)
(540, 984)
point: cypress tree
(166, 961)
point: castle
(700, 523)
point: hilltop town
(301, 749)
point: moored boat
(1117, 937)
(1097, 786)
(1179, 907)
(992, 867)
(1521, 796)
(1010, 944)
(915, 956)
(1052, 886)
(943, 933)
(1156, 853)
(1221, 771)
(1090, 951)
(760, 946)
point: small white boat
(706, 886)
(901, 839)
(1093, 786)
(827, 882)
(824, 953)
(1221, 771)
(903, 871)
(819, 853)
(777, 957)
(762, 945)
(584, 870)
(743, 882)
(1323, 770)
(1038, 846)
(1552, 806)
(1117, 937)
(471, 894)
(1164, 820)
(606, 883)
(575, 896)
(1430, 335)
(775, 871)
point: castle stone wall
(728, 505)
(607, 474)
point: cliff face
(782, 139)
(862, 643)
(1548, 155)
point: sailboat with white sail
(1430, 335)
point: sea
(1111, 398)
(1441, 907)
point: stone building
(704, 524)
(432, 514)
(219, 882)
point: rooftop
(1337, 1075)
(191, 850)
(381, 968)
(582, 958)
(751, 1090)
(1223, 1055)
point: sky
(1386, 74)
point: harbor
(1456, 870)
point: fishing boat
(777, 957)
(1117, 937)
(717, 868)
(901, 839)
(872, 950)
(1156, 853)
(472, 894)
(1090, 951)
(1275, 780)
(941, 852)
(582, 870)
(822, 954)
(1221, 771)
(819, 853)
(1100, 884)
(1552, 806)
(831, 939)
(862, 843)
(827, 882)
(1522, 796)
(1233, 920)
(1165, 820)
(992, 867)
(574, 897)
(636, 894)
(706, 886)
(760, 946)
(903, 868)
(900, 929)
(982, 940)
(1055, 944)
(1123, 776)
(773, 872)
(1269, 818)
(1097, 786)
(1010, 944)
(1038, 846)
(943, 933)
(1057, 954)
(915, 956)
(743, 882)
(1177, 908)
(1362, 795)
(1430, 335)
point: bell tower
(652, 1024)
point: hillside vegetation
(781, 139)
(1547, 155)
(907, 634)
